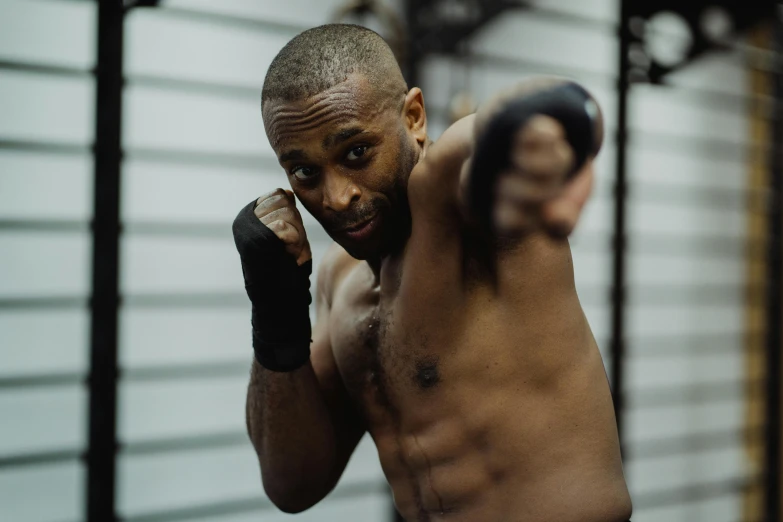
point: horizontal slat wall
(196, 153)
(695, 385)
(687, 204)
(47, 49)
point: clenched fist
(541, 159)
(277, 210)
(532, 164)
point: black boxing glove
(279, 291)
(567, 103)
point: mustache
(353, 217)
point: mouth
(362, 230)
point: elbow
(294, 497)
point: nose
(340, 191)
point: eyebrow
(339, 137)
(292, 155)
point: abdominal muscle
(501, 440)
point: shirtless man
(448, 325)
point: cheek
(309, 202)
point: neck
(375, 264)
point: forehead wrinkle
(290, 121)
(313, 104)
(284, 132)
(293, 117)
(343, 102)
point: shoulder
(332, 269)
(436, 177)
(452, 148)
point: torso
(484, 405)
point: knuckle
(287, 213)
(280, 213)
(284, 231)
(262, 199)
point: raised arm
(299, 417)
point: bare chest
(381, 350)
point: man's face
(348, 154)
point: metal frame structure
(104, 303)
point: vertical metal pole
(774, 297)
(619, 240)
(105, 266)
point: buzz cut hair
(322, 57)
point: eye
(303, 173)
(356, 153)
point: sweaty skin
(487, 398)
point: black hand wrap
(568, 103)
(279, 291)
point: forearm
(293, 434)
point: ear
(415, 115)
(561, 215)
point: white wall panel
(685, 219)
(48, 32)
(598, 317)
(602, 10)
(53, 493)
(154, 336)
(525, 35)
(720, 72)
(686, 270)
(684, 369)
(647, 424)
(38, 187)
(721, 509)
(46, 108)
(654, 165)
(297, 12)
(442, 77)
(654, 109)
(44, 264)
(162, 192)
(169, 119)
(692, 346)
(162, 265)
(168, 46)
(596, 218)
(185, 479)
(43, 341)
(368, 508)
(683, 319)
(679, 471)
(154, 410)
(43, 419)
(194, 478)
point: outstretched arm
(522, 163)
